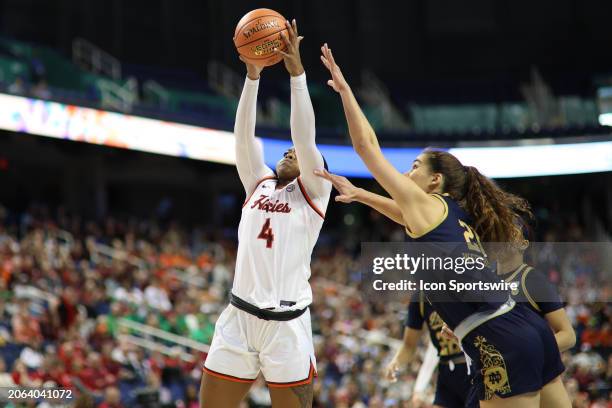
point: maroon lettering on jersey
(263, 203)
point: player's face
(421, 174)
(287, 168)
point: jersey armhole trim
(515, 273)
(308, 200)
(434, 225)
(526, 292)
(256, 187)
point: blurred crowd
(82, 306)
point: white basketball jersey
(278, 230)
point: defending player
(267, 326)
(440, 200)
(536, 292)
(453, 385)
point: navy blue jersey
(534, 290)
(419, 312)
(458, 239)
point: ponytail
(497, 215)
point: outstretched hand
(253, 71)
(291, 57)
(391, 370)
(347, 191)
(338, 83)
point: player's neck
(509, 265)
(282, 183)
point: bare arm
(249, 154)
(349, 193)
(403, 190)
(383, 205)
(404, 354)
(561, 326)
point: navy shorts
(453, 386)
(513, 354)
(472, 398)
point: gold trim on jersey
(435, 224)
(512, 277)
(516, 272)
(494, 372)
(526, 292)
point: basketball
(257, 34)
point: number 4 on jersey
(266, 233)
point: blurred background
(115, 263)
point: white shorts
(244, 344)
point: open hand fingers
(325, 62)
(294, 27)
(342, 199)
(288, 43)
(330, 56)
(325, 174)
(294, 38)
(290, 30)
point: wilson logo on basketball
(260, 26)
(263, 203)
(266, 47)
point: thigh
(216, 392)
(287, 359)
(292, 397)
(528, 400)
(230, 357)
(554, 395)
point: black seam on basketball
(264, 36)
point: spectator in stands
(26, 329)
(22, 377)
(112, 398)
(67, 309)
(32, 355)
(157, 297)
(84, 401)
(6, 379)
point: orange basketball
(258, 33)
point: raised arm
(403, 190)
(303, 118)
(249, 154)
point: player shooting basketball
(267, 324)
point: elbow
(363, 148)
(566, 339)
(365, 144)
